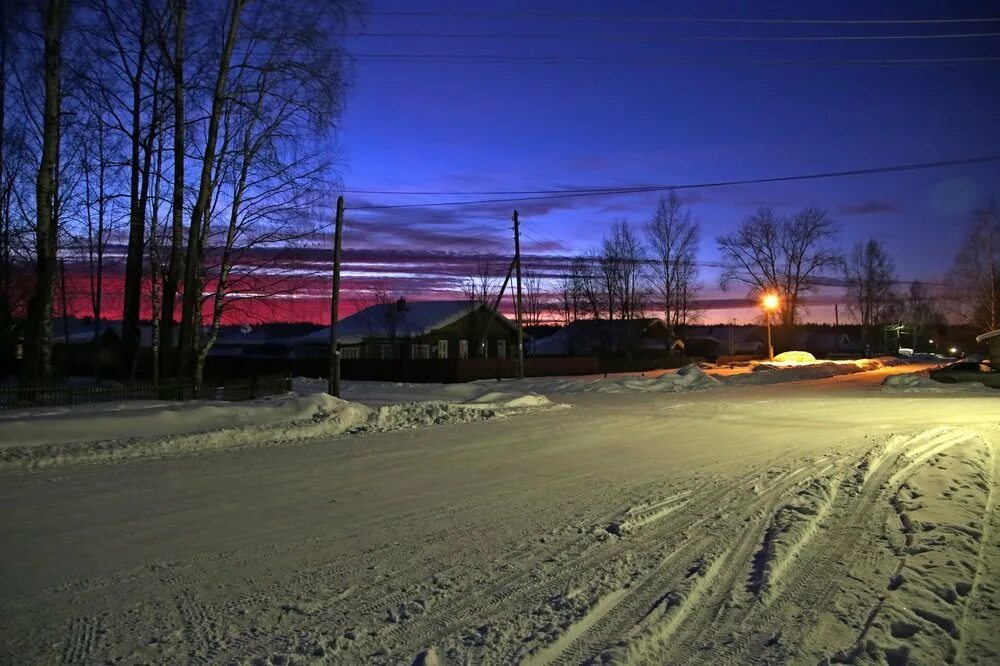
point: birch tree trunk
(191, 302)
(39, 340)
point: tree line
(174, 136)
(639, 270)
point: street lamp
(769, 303)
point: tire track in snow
(511, 596)
(986, 543)
(409, 584)
(653, 593)
(808, 583)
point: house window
(463, 349)
(349, 352)
(420, 351)
(442, 349)
(378, 351)
(501, 349)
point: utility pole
(836, 315)
(333, 383)
(519, 373)
(770, 347)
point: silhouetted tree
(768, 253)
(673, 239)
(870, 274)
(974, 280)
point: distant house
(417, 330)
(604, 337)
(992, 342)
(265, 340)
(827, 344)
(711, 342)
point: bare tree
(782, 255)
(920, 312)
(621, 261)
(268, 180)
(532, 300)
(278, 79)
(383, 310)
(177, 17)
(870, 274)
(673, 238)
(974, 279)
(191, 303)
(569, 303)
(483, 286)
(123, 70)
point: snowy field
(789, 514)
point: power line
(565, 194)
(686, 38)
(683, 19)
(672, 61)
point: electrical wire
(683, 19)
(672, 61)
(565, 194)
(682, 38)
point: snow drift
(141, 431)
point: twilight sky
(527, 96)
(655, 102)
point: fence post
(69, 395)
(253, 387)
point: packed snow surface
(800, 522)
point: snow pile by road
(65, 436)
(795, 357)
(797, 371)
(917, 381)
(688, 378)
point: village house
(616, 337)
(416, 330)
(712, 342)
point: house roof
(720, 333)
(988, 335)
(586, 334)
(417, 318)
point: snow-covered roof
(988, 336)
(585, 335)
(377, 321)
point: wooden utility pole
(333, 384)
(519, 373)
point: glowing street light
(770, 302)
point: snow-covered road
(792, 522)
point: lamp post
(769, 303)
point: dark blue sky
(661, 102)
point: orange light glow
(770, 301)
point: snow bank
(795, 357)
(767, 373)
(688, 378)
(70, 436)
(916, 381)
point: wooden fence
(59, 395)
